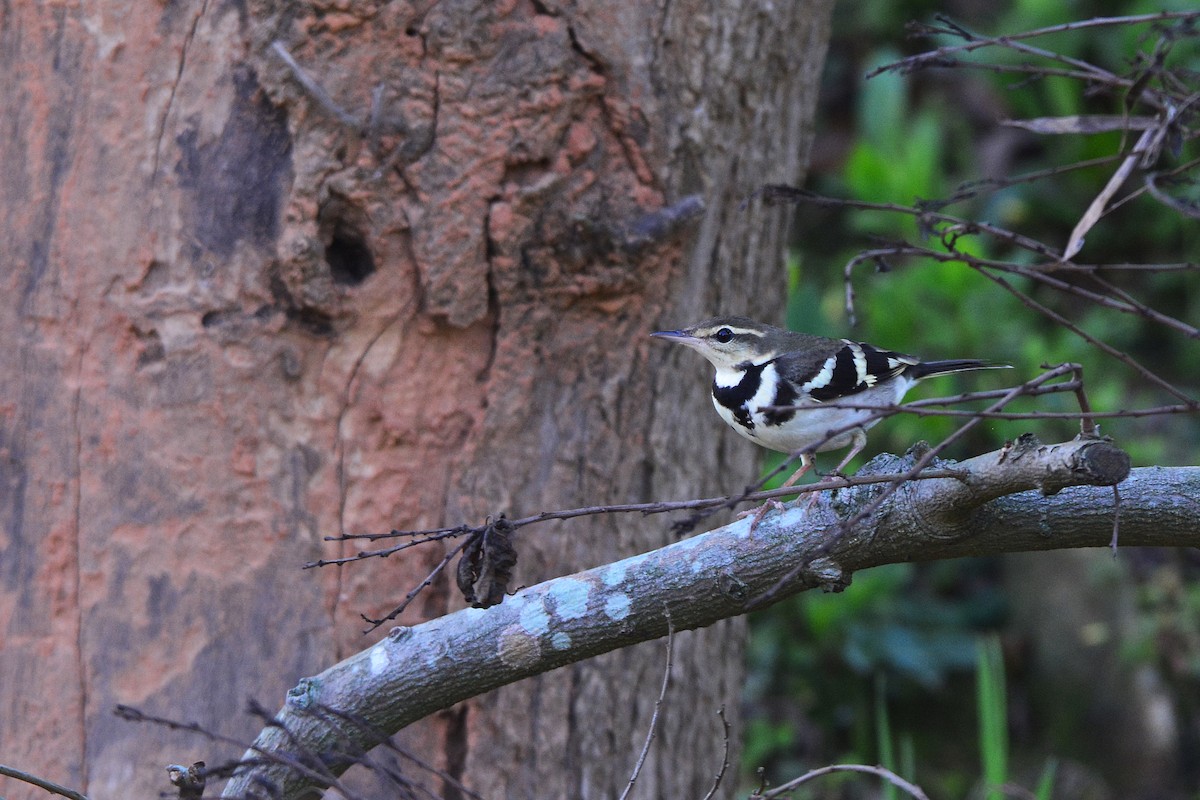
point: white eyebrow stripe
(736, 331)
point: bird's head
(731, 342)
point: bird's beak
(683, 337)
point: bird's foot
(760, 512)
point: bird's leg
(806, 463)
(856, 446)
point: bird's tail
(929, 368)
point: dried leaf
(1090, 123)
(1096, 210)
(486, 564)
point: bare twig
(416, 538)
(374, 734)
(662, 693)
(41, 783)
(412, 594)
(1126, 303)
(944, 55)
(307, 764)
(660, 507)
(1090, 339)
(988, 269)
(1096, 210)
(881, 772)
(432, 534)
(724, 757)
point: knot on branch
(732, 586)
(827, 574)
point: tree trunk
(241, 318)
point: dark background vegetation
(889, 672)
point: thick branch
(1024, 497)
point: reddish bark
(235, 326)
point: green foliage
(814, 690)
(993, 716)
(824, 658)
(912, 145)
(899, 750)
(883, 734)
(1045, 785)
(917, 137)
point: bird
(802, 394)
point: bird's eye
(724, 336)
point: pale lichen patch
(570, 598)
(379, 658)
(617, 606)
(614, 574)
(533, 618)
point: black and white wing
(844, 368)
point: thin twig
(387, 743)
(941, 55)
(1126, 304)
(424, 538)
(1105, 347)
(1116, 519)
(662, 693)
(661, 507)
(791, 194)
(724, 758)
(412, 594)
(882, 772)
(432, 533)
(41, 783)
(301, 764)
